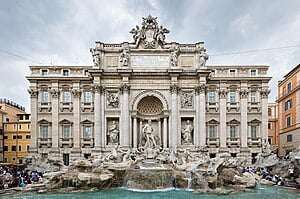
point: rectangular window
(233, 131)
(45, 96)
(232, 97)
(253, 96)
(14, 137)
(19, 137)
(66, 131)
(87, 97)
(232, 72)
(27, 148)
(28, 136)
(289, 138)
(20, 126)
(253, 72)
(28, 126)
(269, 112)
(212, 97)
(15, 126)
(269, 125)
(65, 72)
(20, 148)
(87, 131)
(44, 72)
(5, 137)
(288, 104)
(66, 97)
(5, 126)
(213, 72)
(5, 148)
(44, 131)
(212, 131)
(13, 148)
(288, 121)
(289, 87)
(66, 159)
(253, 131)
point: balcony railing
(212, 105)
(87, 142)
(87, 106)
(44, 106)
(233, 141)
(213, 142)
(254, 141)
(47, 142)
(68, 142)
(66, 106)
(233, 105)
(254, 105)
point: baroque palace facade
(148, 93)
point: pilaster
(125, 120)
(34, 128)
(174, 89)
(55, 93)
(244, 120)
(223, 109)
(76, 121)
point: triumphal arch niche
(152, 92)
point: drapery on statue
(124, 58)
(113, 133)
(149, 138)
(187, 133)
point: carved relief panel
(187, 100)
(112, 100)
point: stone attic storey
(148, 94)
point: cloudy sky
(60, 32)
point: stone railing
(87, 142)
(233, 142)
(47, 142)
(212, 142)
(254, 141)
(87, 106)
(233, 105)
(254, 106)
(66, 142)
(44, 106)
(212, 105)
(66, 106)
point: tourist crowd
(17, 176)
(269, 175)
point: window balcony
(212, 142)
(44, 142)
(66, 142)
(254, 106)
(233, 142)
(87, 106)
(87, 142)
(212, 105)
(254, 141)
(44, 106)
(66, 106)
(233, 105)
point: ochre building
(289, 111)
(148, 93)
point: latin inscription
(150, 61)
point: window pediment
(43, 121)
(233, 122)
(212, 121)
(65, 121)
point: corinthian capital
(200, 89)
(33, 93)
(55, 93)
(76, 93)
(243, 93)
(124, 88)
(98, 88)
(264, 93)
(174, 88)
(223, 93)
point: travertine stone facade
(148, 84)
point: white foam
(149, 190)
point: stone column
(102, 117)
(97, 117)
(202, 115)
(135, 132)
(264, 114)
(34, 128)
(174, 116)
(55, 123)
(125, 120)
(196, 121)
(223, 125)
(165, 132)
(76, 121)
(159, 128)
(244, 120)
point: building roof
(292, 71)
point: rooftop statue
(150, 35)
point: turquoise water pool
(261, 193)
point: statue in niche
(124, 58)
(202, 58)
(149, 140)
(174, 57)
(187, 133)
(186, 100)
(113, 133)
(113, 100)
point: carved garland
(223, 93)
(55, 93)
(264, 93)
(76, 93)
(200, 89)
(98, 88)
(243, 93)
(124, 88)
(33, 93)
(174, 89)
